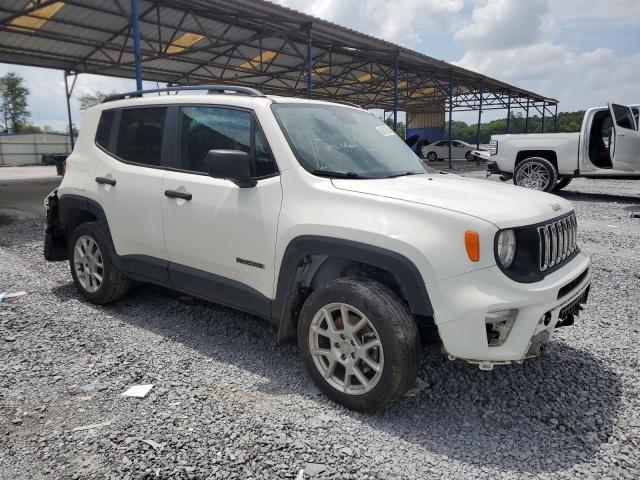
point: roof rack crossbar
(237, 90)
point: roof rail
(237, 90)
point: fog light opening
(499, 325)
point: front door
(221, 238)
(625, 144)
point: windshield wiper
(403, 174)
(329, 173)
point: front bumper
(461, 304)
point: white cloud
(517, 42)
(577, 81)
(504, 22)
(384, 19)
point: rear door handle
(177, 194)
(106, 181)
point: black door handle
(177, 194)
(106, 181)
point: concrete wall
(427, 123)
(28, 148)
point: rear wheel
(359, 343)
(537, 173)
(432, 156)
(92, 269)
(563, 182)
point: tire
(563, 182)
(114, 284)
(537, 173)
(432, 156)
(466, 156)
(385, 317)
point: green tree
(400, 127)
(88, 100)
(30, 128)
(13, 98)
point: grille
(557, 241)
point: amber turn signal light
(472, 243)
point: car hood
(502, 204)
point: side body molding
(404, 271)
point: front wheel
(467, 156)
(432, 156)
(359, 343)
(537, 173)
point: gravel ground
(227, 402)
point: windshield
(339, 141)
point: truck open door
(625, 139)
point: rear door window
(140, 133)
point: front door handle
(177, 194)
(106, 181)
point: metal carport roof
(248, 42)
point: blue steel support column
(450, 111)
(508, 112)
(68, 95)
(309, 63)
(479, 117)
(526, 118)
(555, 120)
(135, 23)
(395, 94)
(544, 107)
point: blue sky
(582, 52)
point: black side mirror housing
(234, 165)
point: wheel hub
(346, 348)
(88, 263)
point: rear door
(221, 240)
(625, 141)
(127, 183)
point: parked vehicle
(440, 150)
(608, 146)
(317, 217)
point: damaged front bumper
(540, 308)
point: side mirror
(234, 165)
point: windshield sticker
(385, 130)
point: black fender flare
(407, 275)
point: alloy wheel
(346, 348)
(88, 263)
(533, 175)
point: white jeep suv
(317, 217)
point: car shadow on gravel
(598, 197)
(542, 416)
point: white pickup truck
(607, 146)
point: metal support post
(309, 62)
(508, 112)
(479, 117)
(395, 93)
(135, 23)
(450, 112)
(68, 91)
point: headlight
(493, 147)
(506, 247)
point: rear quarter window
(103, 133)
